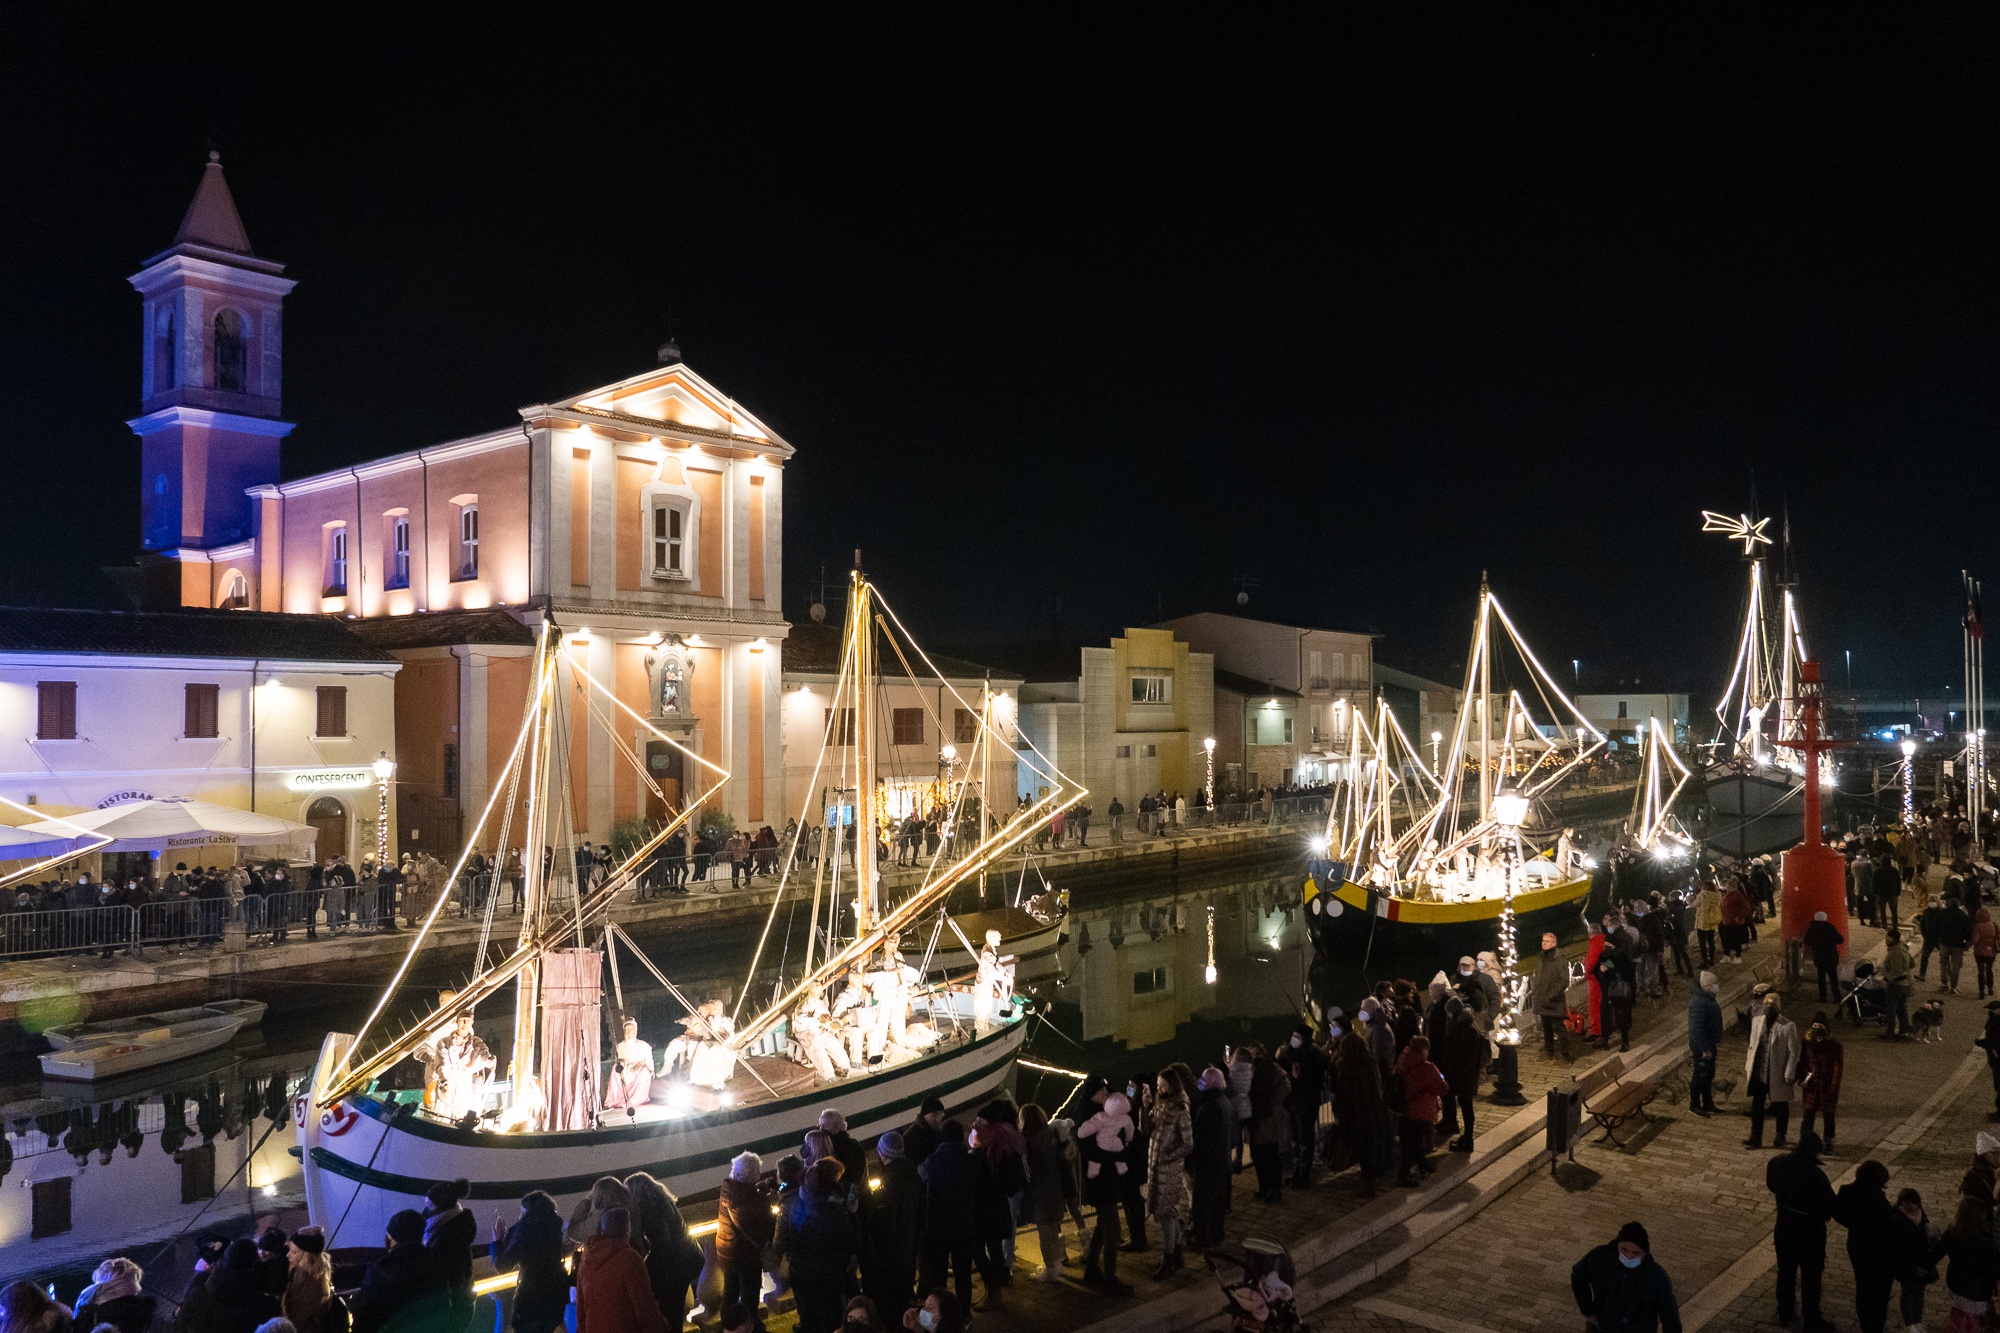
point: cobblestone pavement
(1700, 1193)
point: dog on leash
(1927, 1022)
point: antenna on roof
(1243, 587)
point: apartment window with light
(336, 561)
(399, 551)
(55, 713)
(1155, 689)
(468, 543)
(203, 705)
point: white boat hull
(365, 1159)
(91, 1061)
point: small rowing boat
(92, 1051)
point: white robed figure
(630, 1082)
(704, 1048)
(994, 981)
(463, 1066)
(817, 1046)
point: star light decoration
(1742, 528)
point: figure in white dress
(463, 1066)
(630, 1082)
(994, 982)
(703, 1050)
(817, 1046)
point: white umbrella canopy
(20, 844)
(173, 821)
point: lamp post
(1909, 782)
(1208, 786)
(1510, 811)
(385, 768)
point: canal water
(89, 1170)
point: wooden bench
(1611, 1099)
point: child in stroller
(1261, 1300)
(1867, 999)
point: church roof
(443, 629)
(211, 218)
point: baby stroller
(1867, 1000)
(1261, 1300)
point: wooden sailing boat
(369, 1152)
(1440, 860)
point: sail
(571, 1036)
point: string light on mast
(1208, 973)
(1909, 782)
(1208, 745)
(1510, 811)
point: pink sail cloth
(571, 995)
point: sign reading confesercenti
(330, 779)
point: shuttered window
(906, 726)
(332, 710)
(202, 701)
(964, 726)
(57, 716)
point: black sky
(1099, 307)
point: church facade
(641, 520)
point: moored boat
(93, 1051)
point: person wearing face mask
(1704, 1042)
(1307, 1065)
(1770, 1068)
(1621, 1288)
(1819, 1084)
(940, 1313)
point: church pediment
(675, 395)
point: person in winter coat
(308, 1281)
(1895, 972)
(1479, 992)
(1378, 1030)
(1615, 970)
(1104, 1166)
(1242, 1068)
(1873, 1233)
(1970, 1267)
(1548, 996)
(1423, 1089)
(1461, 1060)
(673, 1260)
(1985, 944)
(824, 1244)
(1212, 1121)
(1954, 933)
(1620, 1288)
(1306, 1065)
(117, 1299)
(1819, 1077)
(1919, 1244)
(613, 1293)
(743, 1227)
(231, 1298)
(1269, 1090)
(1771, 1068)
(1823, 942)
(1704, 1042)
(605, 1192)
(920, 1136)
(402, 1290)
(1045, 1197)
(1168, 1197)
(999, 1172)
(534, 1248)
(949, 1233)
(852, 1156)
(1805, 1201)
(272, 1265)
(893, 1229)
(1361, 1109)
(1707, 920)
(1735, 921)
(450, 1232)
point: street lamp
(1208, 745)
(1510, 811)
(385, 768)
(1909, 782)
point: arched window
(468, 539)
(336, 560)
(236, 591)
(166, 356)
(399, 549)
(229, 351)
(672, 515)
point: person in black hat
(405, 1286)
(1805, 1201)
(273, 1261)
(230, 1297)
(922, 1135)
(1620, 1288)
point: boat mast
(1483, 648)
(860, 629)
(527, 983)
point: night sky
(1078, 317)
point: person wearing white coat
(1771, 1069)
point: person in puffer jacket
(1424, 1089)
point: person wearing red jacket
(1423, 1092)
(613, 1292)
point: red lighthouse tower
(1815, 874)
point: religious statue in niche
(672, 676)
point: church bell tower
(209, 427)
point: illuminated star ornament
(1738, 529)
